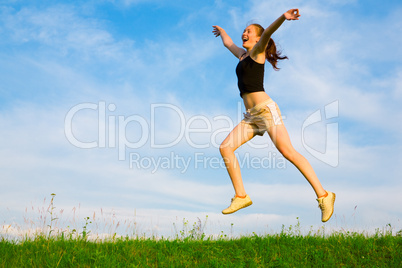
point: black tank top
(250, 76)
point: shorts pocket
(275, 113)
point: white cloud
(37, 158)
(274, 206)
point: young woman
(263, 113)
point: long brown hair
(271, 53)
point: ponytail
(271, 53)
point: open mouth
(245, 39)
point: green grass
(279, 250)
(55, 246)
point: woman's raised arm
(228, 42)
(292, 14)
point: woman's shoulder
(243, 56)
(258, 57)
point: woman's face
(250, 37)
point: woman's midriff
(252, 99)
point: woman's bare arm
(292, 14)
(228, 42)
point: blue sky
(151, 75)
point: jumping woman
(262, 113)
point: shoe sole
(244, 206)
(333, 203)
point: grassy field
(51, 245)
(285, 249)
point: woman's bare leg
(239, 135)
(280, 138)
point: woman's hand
(217, 30)
(292, 14)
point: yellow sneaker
(326, 204)
(238, 203)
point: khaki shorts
(263, 116)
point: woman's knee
(225, 149)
